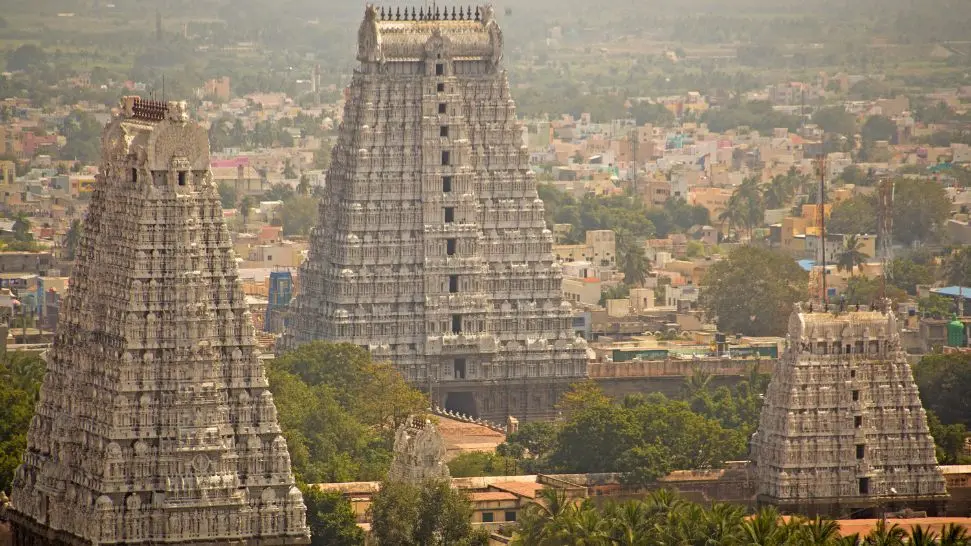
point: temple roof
(458, 32)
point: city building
(431, 248)
(155, 423)
(842, 430)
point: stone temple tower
(842, 431)
(431, 248)
(154, 423)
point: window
(439, 69)
(183, 176)
(453, 284)
(860, 451)
(858, 421)
(856, 396)
(456, 324)
(269, 257)
(458, 366)
(446, 157)
(488, 517)
(450, 247)
(446, 184)
(449, 215)
(441, 88)
(441, 108)
(852, 374)
(864, 486)
(510, 515)
(443, 131)
(134, 175)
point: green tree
(752, 291)
(83, 134)
(935, 306)
(228, 197)
(878, 128)
(851, 256)
(331, 519)
(27, 57)
(22, 228)
(957, 267)
(949, 440)
(856, 215)
(299, 214)
(920, 210)
(429, 514)
(634, 264)
(481, 463)
(906, 274)
(246, 205)
(835, 119)
(944, 381)
(21, 375)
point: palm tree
(777, 192)
(734, 214)
(303, 187)
(635, 265)
(245, 208)
(954, 535)
(763, 529)
(540, 518)
(696, 383)
(922, 537)
(851, 257)
(884, 535)
(820, 532)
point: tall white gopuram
(842, 431)
(155, 424)
(431, 248)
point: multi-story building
(155, 423)
(431, 248)
(842, 430)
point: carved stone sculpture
(419, 452)
(155, 419)
(431, 248)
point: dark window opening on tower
(446, 157)
(456, 324)
(858, 421)
(860, 450)
(864, 486)
(446, 184)
(453, 284)
(450, 247)
(439, 69)
(183, 177)
(856, 396)
(441, 108)
(440, 87)
(449, 215)
(459, 368)
(443, 131)
(134, 175)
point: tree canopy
(427, 514)
(753, 290)
(338, 410)
(21, 375)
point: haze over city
(532, 273)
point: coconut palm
(922, 537)
(851, 257)
(777, 192)
(955, 535)
(734, 213)
(764, 529)
(820, 532)
(886, 535)
(635, 265)
(539, 519)
(245, 209)
(22, 227)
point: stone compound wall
(431, 248)
(155, 422)
(842, 420)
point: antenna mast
(821, 163)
